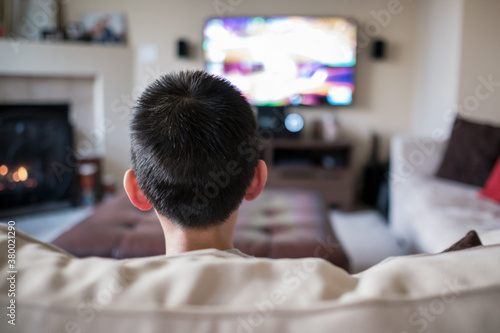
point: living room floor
(365, 237)
(364, 234)
(48, 225)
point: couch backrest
(214, 291)
(415, 156)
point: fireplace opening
(37, 168)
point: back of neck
(179, 239)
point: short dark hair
(194, 147)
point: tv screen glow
(285, 60)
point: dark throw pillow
(470, 240)
(471, 153)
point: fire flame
(3, 170)
(20, 175)
(23, 173)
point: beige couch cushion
(214, 291)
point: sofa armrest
(411, 158)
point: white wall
(384, 96)
(439, 43)
(480, 60)
(458, 50)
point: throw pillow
(492, 188)
(471, 153)
(470, 240)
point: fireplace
(37, 166)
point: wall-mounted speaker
(378, 49)
(182, 48)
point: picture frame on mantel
(105, 28)
(29, 19)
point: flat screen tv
(284, 60)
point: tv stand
(317, 165)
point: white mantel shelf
(111, 68)
(34, 58)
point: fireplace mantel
(109, 67)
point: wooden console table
(317, 165)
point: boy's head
(194, 148)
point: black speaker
(182, 48)
(378, 49)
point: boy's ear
(258, 182)
(134, 193)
